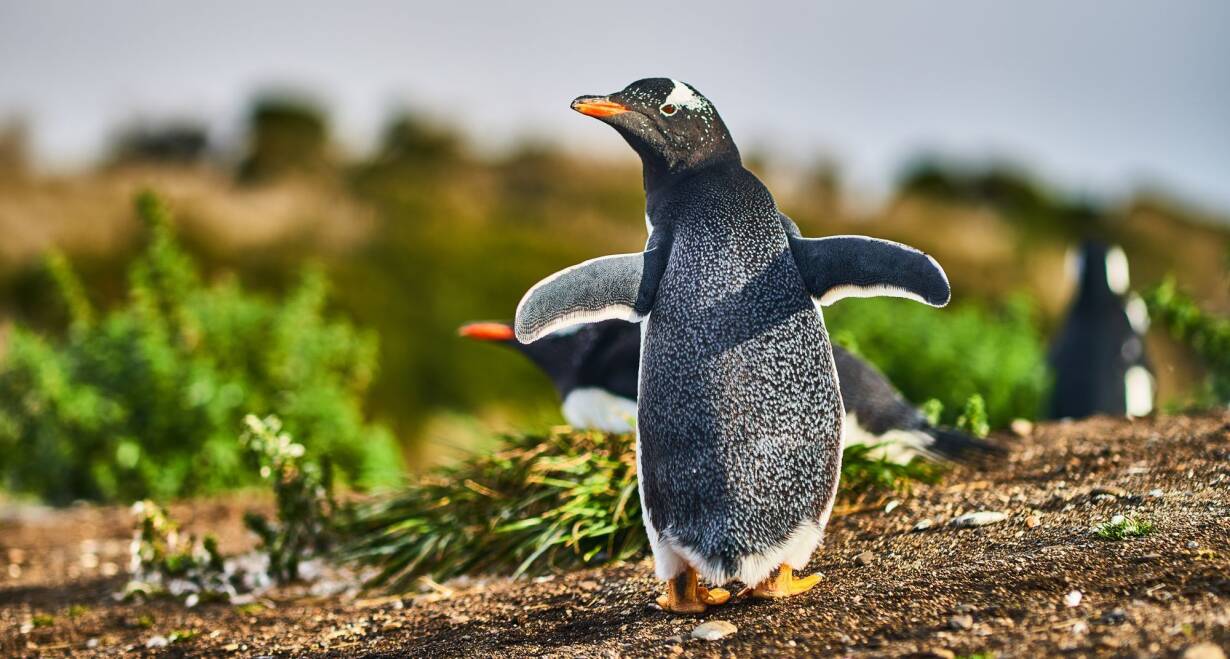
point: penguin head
(556, 354)
(673, 127)
(1101, 270)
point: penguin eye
(668, 109)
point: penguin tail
(952, 445)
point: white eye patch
(683, 96)
(1117, 270)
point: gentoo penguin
(594, 369)
(739, 414)
(1099, 355)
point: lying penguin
(1098, 356)
(594, 370)
(739, 412)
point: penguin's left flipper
(620, 286)
(858, 266)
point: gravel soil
(1036, 583)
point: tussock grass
(1122, 527)
(542, 503)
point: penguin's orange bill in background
(685, 595)
(486, 332)
(596, 106)
(783, 584)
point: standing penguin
(739, 414)
(594, 370)
(1099, 355)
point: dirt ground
(888, 589)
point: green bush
(303, 492)
(1205, 333)
(143, 400)
(287, 134)
(951, 354)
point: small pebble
(1108, 490)
(980, 518)
(922, 525)
(1032, 521)
(1157, 493)
(714, 630)
(157, 642)
(1022, 427)
(961, 622)
(1192, 544)
(1204, 651)
(891, 506)
(939, 653)
(864, 559)
(1117, 520)
(92, 643)
(1073, 599)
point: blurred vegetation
(1205, 333)
(14, 150)
(539, 503)
(973, 418)
(166, 562)
(303, 495)
(180, 142)
(423, 235)
(288, 134)
(161, 555)
(952, 355)
(143, 400)
(1007, 188)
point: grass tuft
(1122, 527)
(541, 503)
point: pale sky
(1097, 96)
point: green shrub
(143, 400)
(164, 559)
(539, 503)
(303, 492)
(1206, 334)
(287, 134)
(974, 419)
(951, 354)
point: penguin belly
(599, 409)
(739, 432)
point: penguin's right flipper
(857, 266)
(620, 286)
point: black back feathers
(1098, 357)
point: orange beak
(597, 106)
(486, 332)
